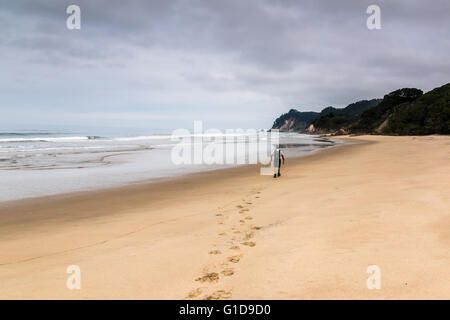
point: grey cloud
(280, 53)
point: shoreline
(35, 182)
(233, 234)
(142, 185)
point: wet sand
(233, 233)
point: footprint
(218, 295)
(234, 248)
(237, 231)
(256, 228)
(248, 218)
(248, 235)
(194, 293)
(239, 206)
(219, 215)
(248, 202)
(215, 252)
(228, 272)
(242, 221)
(249, 243)
(222, 234)
(234, 259)
(209, 277)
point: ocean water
(43, 162)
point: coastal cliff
(297, 121)
(405, 111)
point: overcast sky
(230, 63)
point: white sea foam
(45, 139)
(43, 163)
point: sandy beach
(234, 234)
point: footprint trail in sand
(234, 220)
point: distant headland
(406, 111)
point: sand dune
(232, 233)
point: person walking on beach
(277, 156)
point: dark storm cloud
(226, 55)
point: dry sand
(232, 233)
